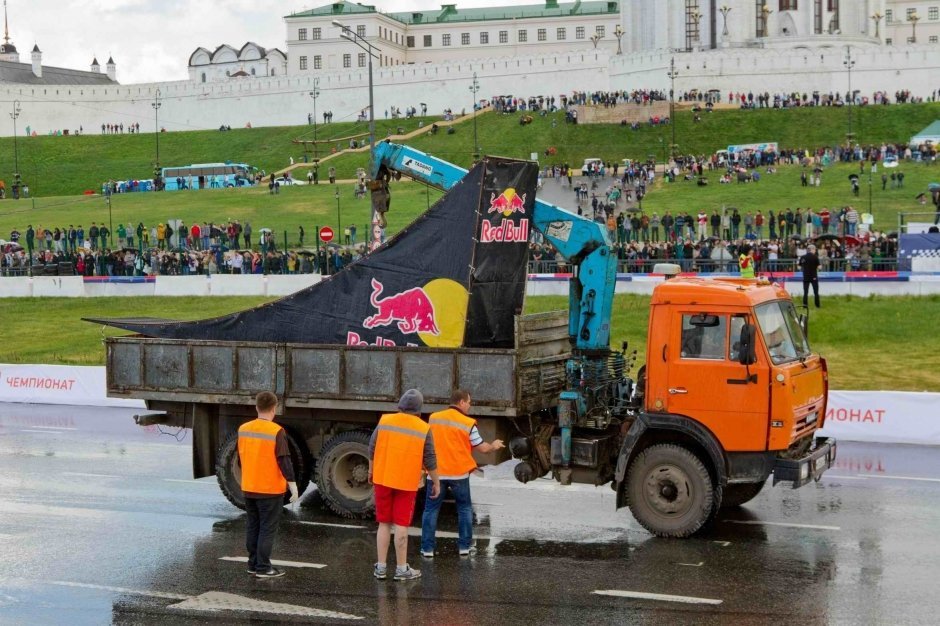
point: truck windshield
(782, 332)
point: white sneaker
(468, 551)
(427, 555)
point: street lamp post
(474, 88)
(315, 94)
(913, 18)
(339, 224)
(156, 104)
(672, 74)
(725, 10)
(596, 37)
(371, 51)
(107, 197)
(618, 33)
(877, 17)
(849, 63)
(16, 156)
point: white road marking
(244, 559)
(356, 526)
(139, 592)
(640, 595)
(783, 524)
(196, 482)
(55, 427)
(723, 544)
(218, 601)
(699, 564)
(44, 432)
(859, 477)
(83, 474)
(918, 478)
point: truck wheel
(343, 475)
(670, 491)
(228, 469)
(736, 495)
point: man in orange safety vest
(267, 474)
(455, 438)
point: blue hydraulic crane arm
(584, 243)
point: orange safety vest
(451, 430)
(257, 441)
(399, 451)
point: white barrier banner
(884, 417)
(58, 384)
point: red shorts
(394, 506)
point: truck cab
(695, 365)
(730, 395)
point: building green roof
(450, 13)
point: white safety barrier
(58, 384)
(884, 417)
(872, 416)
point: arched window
(273, 72)
(252, 71)
(203, 77)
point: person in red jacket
(196, 235)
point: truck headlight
(804, 471)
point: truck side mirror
(747, 354)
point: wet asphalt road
(101, 523)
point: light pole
(913, 18)
(107, 197)
(618, 33)
(16, 156)
(672, 74)
(315, 94)
(596, 37)
(339, 225)
(474, 88)
(725, 10)
(877, 19)
(156, 104)
(371, 51)
(849, 63)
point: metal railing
(726, 266)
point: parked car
(589, 164)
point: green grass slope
(69, 165)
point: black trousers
(263, 514)
(815, 283)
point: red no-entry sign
(326, 234)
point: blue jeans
(461, 490)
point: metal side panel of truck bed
(502, 382)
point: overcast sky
(151, 40)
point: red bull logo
(506, 231)
(412, 310)
(507, 203)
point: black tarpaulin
(454, 277)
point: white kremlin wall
(276, 101)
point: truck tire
(670, 491)
(736, 495)
(343, 475)
(228, 469)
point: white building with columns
(551, 48)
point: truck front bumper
(810, 467)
